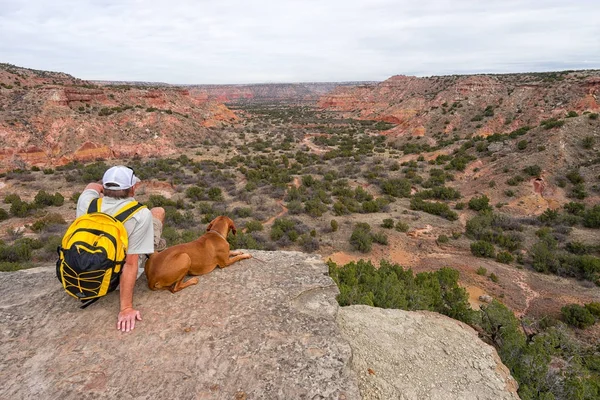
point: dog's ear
(232, 227)
(209, 227)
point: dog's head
(223, 223)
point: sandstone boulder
(421, 355)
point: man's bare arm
(127, 314)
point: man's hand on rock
(126, 319)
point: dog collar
(218, 233)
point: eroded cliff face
(268, 92)
(264, 328)
(49, 119)
(482, 104)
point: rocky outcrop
(477, 104)
(64, 119)
(421, 355)
(264, 328)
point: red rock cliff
(478, 104)
(50, 118)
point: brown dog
(167, 269)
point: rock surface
(256, 330)
(421, 355)
(264, 328)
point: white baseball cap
(119, 178)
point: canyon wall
(478, 104)
(49, 119)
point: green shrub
(242, 212)
(43, 199)
(440, 209)
(391, 286)
(11, 198)
(48, 251)
(515, 180)
(439, 193)
(443, 239)
(396, 187)
(594, 308)
(548, 216)
(481, 248)
(578, 248)
(577, 208)
(20, 251)
(577, 316)
(309, 244)
(315, 207)
(480, 203)
(481, 271)
(178, 219)
(380, 238)
(253, 226)
(574, 177)
(3, 214)
(215, 194)
(522, 144)
(402, 226)
(579, 191)
(361, 238)
(295, 207)
(195, 193)
(504, 257)
(48, 221)
(75, 197)
(334, 225)
(533, 170)
(552, 123)
(593, 116)
(20, 208)
(494, 278)
(105, 111)
(157, 200)
(244, 241)
(388, 223)
(284, 228)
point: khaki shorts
(159, 243)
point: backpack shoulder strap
(95, 205)
(128, 210)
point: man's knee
(158, 213)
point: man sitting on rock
(144, 229)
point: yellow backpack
(92, 252)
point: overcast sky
(250, 41)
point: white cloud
(235, 41)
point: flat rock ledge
(264, 328)
(412, 355)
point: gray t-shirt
(139, 227)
